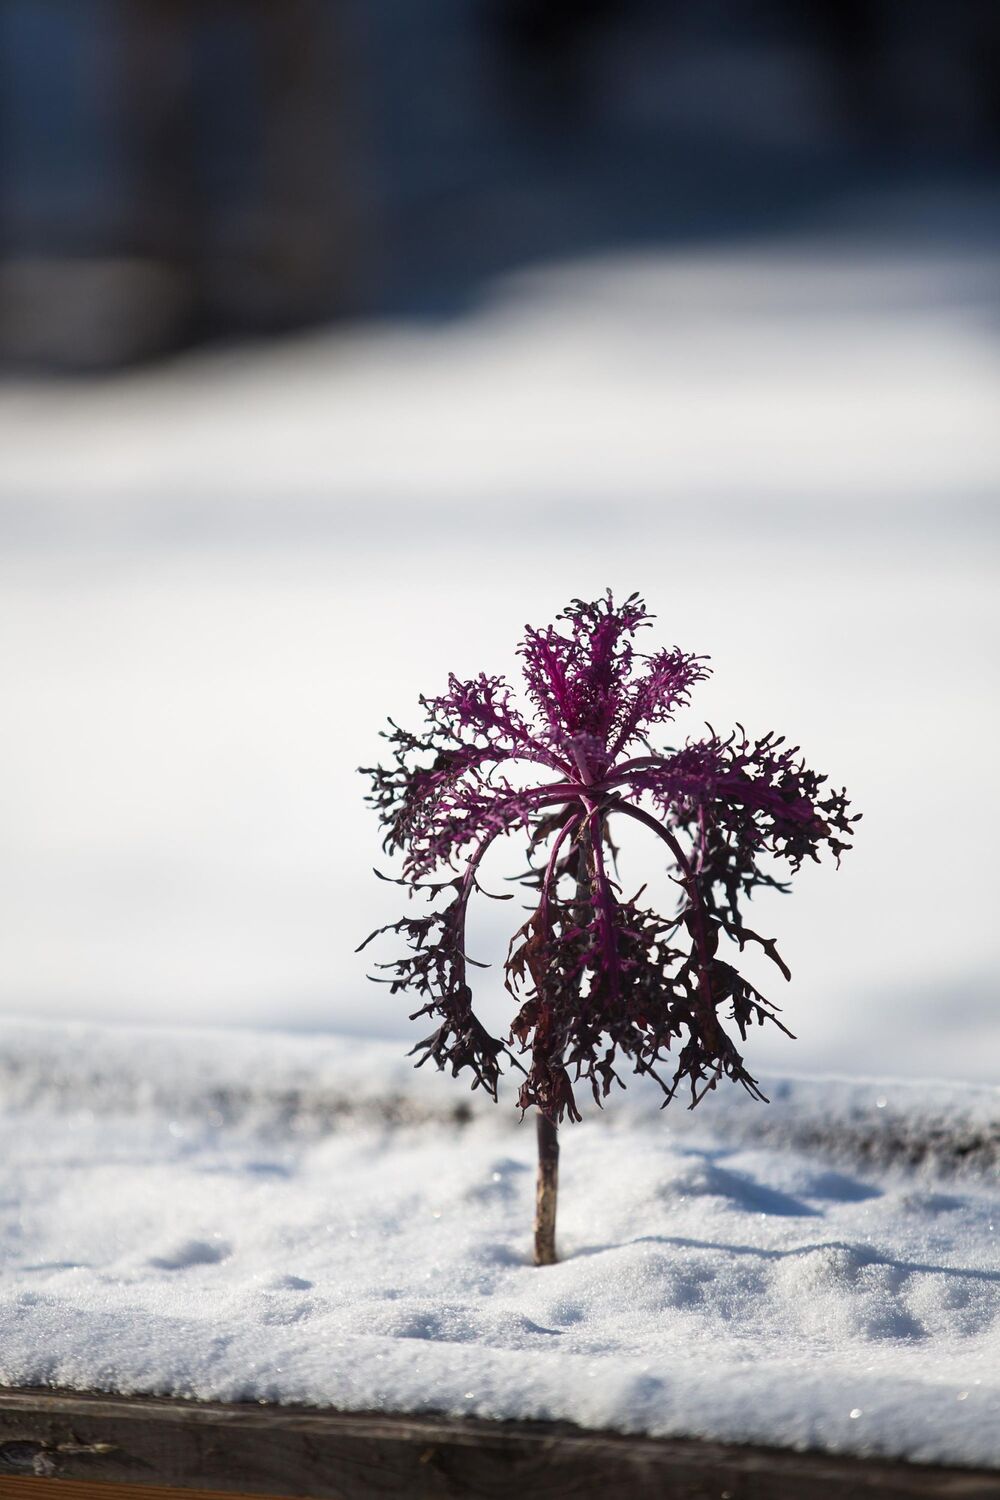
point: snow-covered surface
(239, 1216)
(218, 577)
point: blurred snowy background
(656, 302)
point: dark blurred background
(172, 170)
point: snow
(237, 1215)
(219, 576)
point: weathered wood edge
(332, 1455)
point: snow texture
(241, 1216)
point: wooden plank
(115, 1448)
(88, 1489)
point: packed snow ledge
(244, 1216)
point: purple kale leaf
(599, 980)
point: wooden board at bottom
(63, 1445)
(12, 1488)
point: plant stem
(547, 1191)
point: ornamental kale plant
(600, 980)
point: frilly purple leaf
(600, 983)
